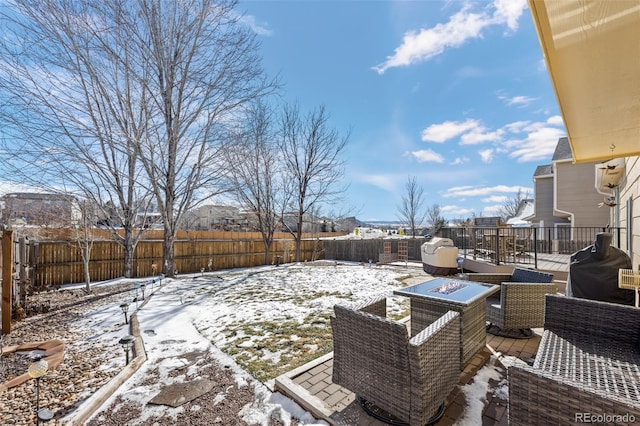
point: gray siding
(543, 191)
(576, 194)
(630, 197)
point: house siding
(630, 190)
(543, 191)
(576, 194)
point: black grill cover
(594, 272)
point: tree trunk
(168, 267)
(129, 252)
(298, 237)
(87, 262)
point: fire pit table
(431, 299)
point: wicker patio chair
(396, 379)
(587, 369)
(508, 316)
(521, 308)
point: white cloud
(486, 155)
(428, 155)
(250, 21)
(517, 126)
(555, 120)
(520, 101)
(492, 210)
(479, 135)
(456, 211)
(508, 12)
(460, 160)
(495, 199)
(464, 25)
(538, 145)
(480, 191)
(386, 182)
(523, 140)
(448, 130)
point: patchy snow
(233, 309)
(475, 393)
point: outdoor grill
(593, 272)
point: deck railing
(522, 245)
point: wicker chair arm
(548, 288)
(601, 320)
(490, 278)
(434, 359)
(447, 324)
(376, 305)
(540, 397)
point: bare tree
(311, 151)
(121, 99)
(256, 175)
(512, 205)
(84, 236)
(435, 220)
(411, 210)
(204, 67)
(75, 110)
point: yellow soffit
(592, 51)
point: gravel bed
(89, 363)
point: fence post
(535, 247)
(7, 278)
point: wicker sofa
(587, 368)
(409, 379)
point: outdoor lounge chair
(512, 313)
(395, 379)
(521, 308)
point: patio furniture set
(588, 362)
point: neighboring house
(575, 195)
(40, 209)
(543, 184)
(488, 221)
(599, 109)
(525, 209)
(217, 218)
(565, 194)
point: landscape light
(125, 309)
(37, 369)
(127, 342)
(142, 287)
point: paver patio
(311, 386)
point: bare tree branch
(313, 165)
(411, 211)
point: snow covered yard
(254, 324)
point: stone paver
(346, 411)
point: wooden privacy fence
(54, 263)
(366, 250)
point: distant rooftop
(563, 150)
(544, 170)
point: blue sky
(454, 93)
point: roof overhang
(592, 52)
